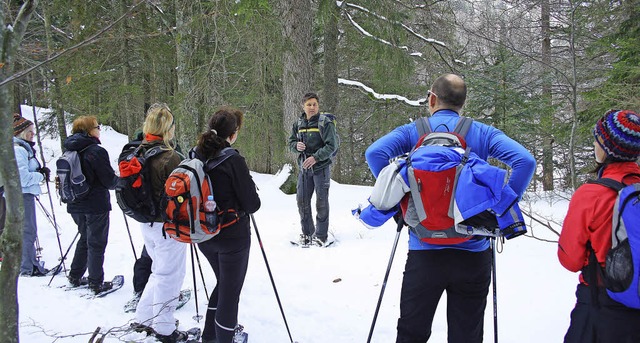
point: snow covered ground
(328, 295)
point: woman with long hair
(159, 298)
(227, 252)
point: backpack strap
(423, 126)
(609, 183)
(594, 274)
(463, 125)
(154, 151)
(222, 156)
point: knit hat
(618, 133)
(20, 124)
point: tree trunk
(187, 114)
(11, 242)
(297, 25)
(331, 13)
(51, 78)
(547, 96)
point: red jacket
(589, 218)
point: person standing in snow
(160, 296)
(463, 270)
(587, 230)
(31, 175)
(91, 213)
(227, 252)
(315, 145)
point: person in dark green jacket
(314, 138)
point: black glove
(46, 172)
(398, 217)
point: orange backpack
(186, 189)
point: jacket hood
(79, 141)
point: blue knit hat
(618, 134)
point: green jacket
(322, 143)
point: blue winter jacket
(485, 141)
(27, 166)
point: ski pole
(197, 317)
(35, 122)
(495, 288)
(386, 277)
(264, 255)
(56, 270)
(52, 219)
(206, 292)
(126, 223)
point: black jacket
(233, 187)
(96, 168)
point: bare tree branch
(87, 41)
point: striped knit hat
(20, 124)
(618, 133)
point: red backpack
(433, 167)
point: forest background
(540, 70)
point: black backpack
(133, 189)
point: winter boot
(77, 282)
(304, 240)
(98, 288)
(319, 241)
(175, 337)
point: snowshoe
(107, 287)
(239, 335)
(304, 241)
(177, 336)
(130, 306)
(184, 297)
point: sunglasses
(98, 127)
(429, 92)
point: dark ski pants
(229, 259)
(318, 182)
(141, 271)
(464, 275)
(603, 320)
(89, 254)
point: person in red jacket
(596, 317)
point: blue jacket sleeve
(516, 156)
(393, 144)
(27, 178)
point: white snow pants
(160, 295)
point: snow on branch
(366, 33)
(376, 95)
(410, 30)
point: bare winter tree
(11, 239)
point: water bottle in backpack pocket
(621, 274)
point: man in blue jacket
(462, 270)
